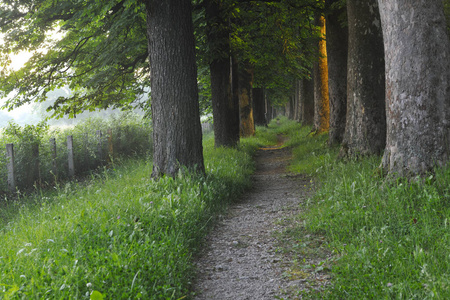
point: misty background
(31, 114)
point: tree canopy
(96, 48)
(99, 49)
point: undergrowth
(119, 235)
(389, 239)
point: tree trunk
(235, 91)
(365, 131)
(259, 107)
(321, 98)
(337, 48)
(269, 109)
(417, 86)
(307, 101)
(297, 115)
(177, 134)
(289, 108)
(225, 110)
(246, 102)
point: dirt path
(241, 260)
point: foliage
(275, 38)
(99, 49)
(119, 235)
(95, 48)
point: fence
(44, 163)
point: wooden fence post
(100, 147)
(53, 151)
(10, 167)
(87, 162)
(36, 179)
(110, 146)
(70, 156)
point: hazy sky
(22, 114)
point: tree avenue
(396, 71)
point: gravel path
(240, 260)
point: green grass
(119, 235)
(388, 239)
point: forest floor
(250, 253)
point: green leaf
(96, 295)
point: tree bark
(289, 108)
(417, 86)
(269, 109)
(246, 102)
(306, 87)
(297, 115)
(337, 48)
(365, 131)
(259, 107)
(225, 109)
(177, 134)
(321, 98)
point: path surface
(241, 260)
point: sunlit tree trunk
(365, 131)
(225, 109)
(321, 98)
(337, 48)
(246, 102)
(177, 134)
(417, 86)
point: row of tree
(111, 53)
(388, 80)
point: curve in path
(240, 260)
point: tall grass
(389, 239)
(119, 235)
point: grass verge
(120, 235)
(389, 239)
